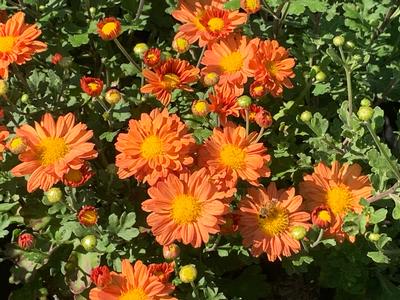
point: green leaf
(396, 209)
(334, 56)
(78, 40)
(378, 257)
(232, 4)
(128, 234)
(7, 206)
(378, 216)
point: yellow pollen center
(93, 86)
(251, 4)
(51, 150)
(232, 156)
(151, 56)
(6, 43)
(339, 199)
(185, 209)
(151, 147)
(271, 67)
(274, 222)
(134, 294)
(215, 24)
(171, 81)
(74, 175)
(109, 27)
(258, 89)
(324, 215)
(232, 63)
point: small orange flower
(200, 108)
(109, 28)
(250, 6)
(224, 104)
(87, 215)
(162, 271)
(210, 79)
(253, 110)
(16, 145)
(171, 75)
(263, 118)
(152, 57)
(135, 282)
(56, 58)
(18, 42)
(92, 86)
(229, 154)
(155, 146)
(266, 219)
(101, 276)
(340, 188)
(26, 241)
(257, 90)
(76, 178)
(3, 137)
(321, 216)
(53, 149)
(187, 210)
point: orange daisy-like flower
(3, 137)
(273, 66)
(229, 154)
(109, 28)
(92, 86)
(230, 59)
(266, 218)
(155, 146)
(224, 104)
(152, 57)
(53, 149)
(76, 178)
(171, 75)
(187, 210)
(18, 42)
(340, 188)
(250, 6)
(133, 283)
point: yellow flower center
(258, 89)
(271, 67)
(134, 294)
(170, 81)
(232, 156)
(151, 147)
(109, 28)
(6, 43)
(51, 150)
(201, 106)
(185, 209)
(251, 4)
(324, 215)
(232, 63)
(93, 86)
(215, 24)
(74, 175)
(339, 199)
(274, 221)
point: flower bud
(244, 101)
(322, 217)
(339, 41)
(140, 49)
(17, 145)
(113, 96)
(101, 276)
(321, 76)
(54, 195)
(263, 119)
(188, 273)
(365, 113)
(365, 102)
(89, 242)
(57, 57)
(298, 232)
(350, 45)
(26, 241)
(374, 237)
(92, 10)
(180, 44)
(171, 252)
(87, 215)
(200, 108)
(3, 88)
(25, 98)
(152, 57)
(316, 69)
(210, 79)
(306, 116)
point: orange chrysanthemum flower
(340, 188)
(250, 6)
(109, 28)
(3, 137)
(92, 86)
(187, 210)
(230, 59)
(266, 218)
(171, 75)
(229, 154)
(155, 146)
(18, 42)
(152, 57)
(224, 104)
(135, 282)
(53, 149)
(87, 215)
(76, 178)
(273, 67)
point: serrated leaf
(78, 40)
(378, 257)
(128, 234)
(378, 216)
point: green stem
(247, 121)
(349, 86)
(321, 234)
(195, 290)
(383, 151)
(201, 56)
(126, 54)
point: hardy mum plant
(199, 149)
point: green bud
(244, 101)
(54, 195)
(306, 116)
(365, 113)
(89, 242)
(298, 232)
(339, 41)
(374, 237)
(350, 45)
(365, 102)
(25, 98)
(321, 76)
(92, 10)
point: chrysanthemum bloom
(18, 42)
(171, 75)
(224, 104)
(273, 67)
(53, 149)
(266, 217)
(229, 155)
(340, 188)
(16, 145)
(135, 282)
(200, 108)
(257, 90)
(230, 59)
(87, 215)
(109, 28)
(101, 276)
(155, 146)
(152, 57)
(92, 86)
(187, 210)
(26, 241)
(56, 58)
(321, 216)
(163, 271)
(263, 118)
(180, 44)
(76, 178)
(250, 6)
(3, 137)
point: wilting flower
(152, 57)
(229, 154)
(171, 75)
(230, 59)
(321, 216)
(56, 58)
(155, 146)
(16, 145)
(257, 89)
(76, 178)
(200, 108)
(18, 42)
(273, 67)
(109, 28)
(340, 188)
(250, 6)
(26, 241)
(135, 282)
(266, 219)
(163, 271)
(224, 104)
(53, 149)
(87, 215)
(187, 210)
(101, 276)
(3, 137)
(92, 86)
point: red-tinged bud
(171, 252)
(57, 57)
(152, 57)
(250, 6)
(101, 276)
(26, 241)
(263, 119)
(257, 90)
(180, 44)
(87, 215)
(113, 96)
(17, 145)
(322, 217)
(210, 79)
